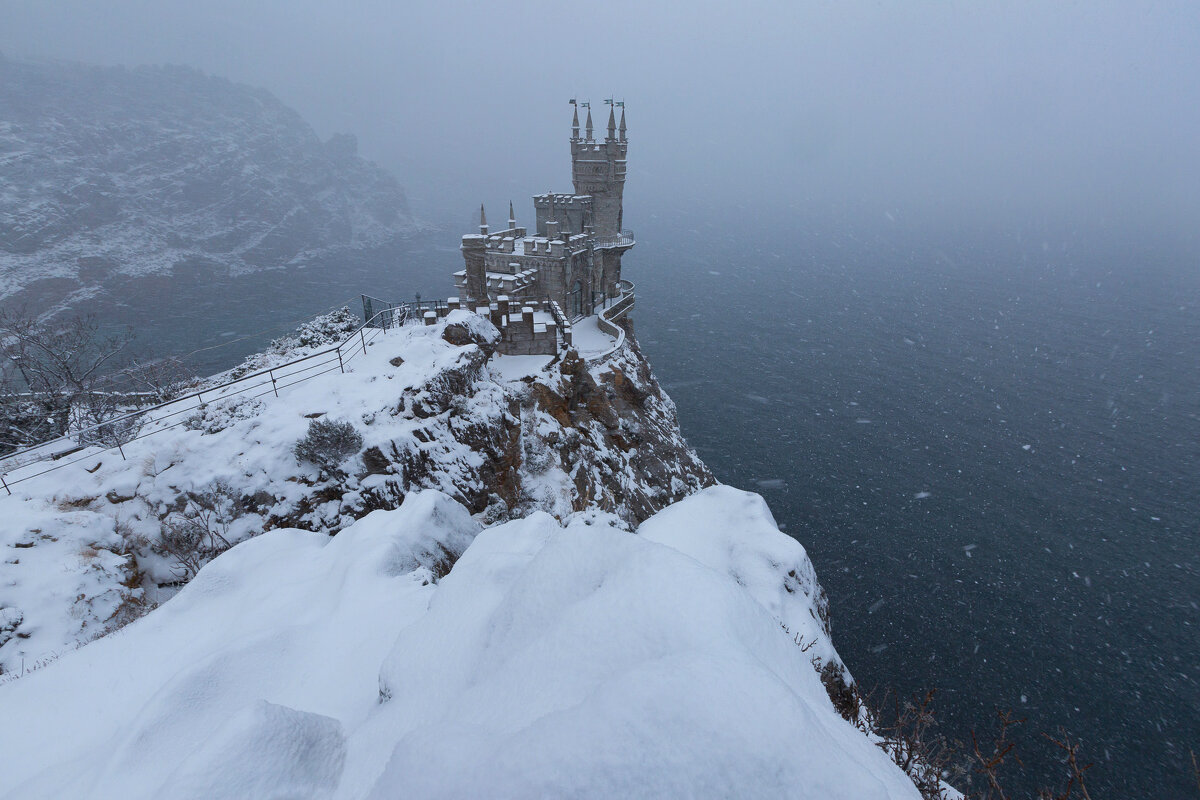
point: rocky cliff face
(108, 172)
(562, 440)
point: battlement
(559, 214)
(504, 240)
(561, 200)
(606, 150)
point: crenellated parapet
(571, 212)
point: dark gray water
(990, 448)
(213, 320)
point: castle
(573, 256)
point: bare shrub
(327, 444)
(201, 530)
(101, 419)
(925, 756)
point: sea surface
(990, 447)
(988, 443)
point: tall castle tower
(598, 170)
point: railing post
(5, 483)
(274, 386)
(341, 366)
(363, 336)
(120, 450)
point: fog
(1004, 115)
(921, 272)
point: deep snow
(578, 659)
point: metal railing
(171, 414)
(405, 312)
(624, 238)
(607, 318)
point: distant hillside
(108, 173)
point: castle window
(577, 300)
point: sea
(988, 441)
(989, 444)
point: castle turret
(512, 217)
(575, 122)
(598, 170)
(589, 124)
(483, 226)
(474, 277)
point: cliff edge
(522, 582)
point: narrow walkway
(588, 339)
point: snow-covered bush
(328, 328)
(220, 415)
(327, 444)
(10, 620)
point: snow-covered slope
(81, 549)
(107, 173)
(580, 660)
(525, 584)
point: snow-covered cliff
(524, 584)
(107, 172)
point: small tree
(46, 369)
(99, 418)
(159, 379)
(327, 444)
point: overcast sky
(1009, 112)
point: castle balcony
(622, 239)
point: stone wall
(520, 334)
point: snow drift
(575, 659)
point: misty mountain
(108, 173)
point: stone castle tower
(598, 171)
(573, 256)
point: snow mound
(264, 751)
(578, 660)
(733, 532)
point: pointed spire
(483, 226)
(512, 218)
(589, 123)
(575, 123)
(622, 128)
(612, 124)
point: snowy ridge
(524, 584)
(108, 172)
